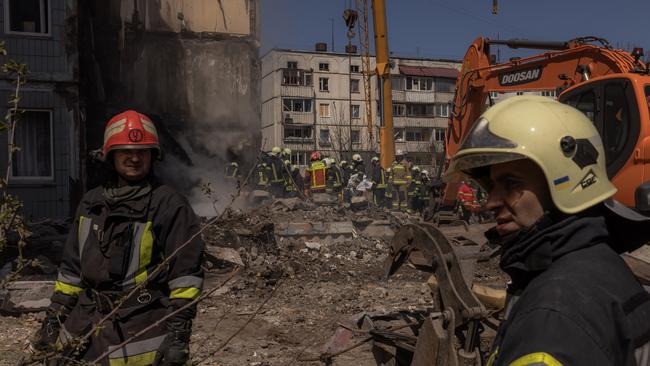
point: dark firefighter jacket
(378, 177)
(111, 249)
(573, 299)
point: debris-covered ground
(286, 301)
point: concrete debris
(290, 204)
(359, 203)
(324, 199)
(329, 261)
(26, 296)
(330, 231)
(313, 245)
(229, 255)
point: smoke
(203, 178)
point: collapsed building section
(191, 66)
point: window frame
(427, 81)
(444, 81)
(7, 20)
(399, 106)
(323, 68)
(354, 69)
(357, 133)
(322, 141)
(329, 110)
(358, 109)
(324, 84)
(358, 88)
(443, 108)
(303, 100)
(296, 126)
(40, 179)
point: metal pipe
(531, 44)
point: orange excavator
(611, 86)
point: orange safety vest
(318, 175)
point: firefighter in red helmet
(122, 231)
(315, 175)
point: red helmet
(130, 130)
(315, 156)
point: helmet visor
(480, 136)
(468, 165)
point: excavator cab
(617, 105)
(610, 86)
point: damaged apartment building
(315, 100)
(193, 66)
(47, 172)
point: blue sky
(444, 28)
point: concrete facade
(316, 101)
(47, 174)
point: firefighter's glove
(45, 338)
(175, 348)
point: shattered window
(297, 132)
(33, 137)
(296, 105)
(28, 16)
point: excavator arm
(564, 65)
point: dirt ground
(308, 285)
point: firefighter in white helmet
(400, 180)
(573, 300)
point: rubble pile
(315, 265)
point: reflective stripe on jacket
(318, 175)
(112, 249)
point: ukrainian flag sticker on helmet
(561, 183)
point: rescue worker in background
(424, 195)
(465, 200)
(232, 172)
(357, 165)
(297, 178)
(345, 172)
(286, 154)
(379, 182)
(262, 175)
(413, 191)
(572, 299)
(400, 180)
(276, 164)
(289, 186)
(334, 181)
(121, 233)
(315, 175)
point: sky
(443, 29)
